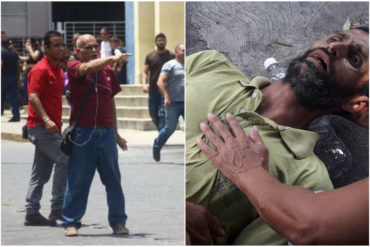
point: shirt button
(242, 111)
(254, 95)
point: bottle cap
(269, 61)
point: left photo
(92, 123)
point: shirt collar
(300, 142)
(52, 66)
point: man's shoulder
(41, 66)
(152, 54)
(73, 63)
(208, 55)
(171, 53)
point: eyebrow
(359, 50)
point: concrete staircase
(132, 109)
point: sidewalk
(13, 131)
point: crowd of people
(98, 68)
(18, 64)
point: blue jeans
(156, 109)
(9, 86)
(47, 153)
(172, 117)
(95, 149)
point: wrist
(46, 119)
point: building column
(130, 41)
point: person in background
(10, 82)
(152, 69)
(74, 55)
(171, 85)
(33, 55)
(105, 49)
(119, 69)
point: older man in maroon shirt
(94, 138)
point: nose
(339, 49)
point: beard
(161, 46)
(313, 89)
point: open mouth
(322, 59)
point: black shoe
(38, 220)
(56, 214)
(156, 154)
(14, 119)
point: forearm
(304, 217)
(34, 54)
(162, 88)
(94, 65)
(144, 78)
(114, 116)
(37, 106)
(287, 209)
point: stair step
(131, 90)
(137, 101)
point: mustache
(311, 65)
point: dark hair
(49, 35)
(363, 28)
(114, 39)
(105, 29)
(5, 42)
(160, 35)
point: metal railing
(115, 29)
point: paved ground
(154, 195)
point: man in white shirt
(105, 50)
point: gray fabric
(175, 83)
(47, 153)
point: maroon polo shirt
(99, 107)
(47, 80)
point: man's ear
(358, 108)
(357, 104)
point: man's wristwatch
(46, 120)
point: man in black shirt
(10, 79)
(152, 67)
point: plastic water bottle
(274, 70)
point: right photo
(277, 117)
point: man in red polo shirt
(44, 123)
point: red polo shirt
(99, 108)
(47, 80)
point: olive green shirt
(215, 85)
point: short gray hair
(78, 42)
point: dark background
(88, 11)
(245, 31)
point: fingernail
(228, 114)
(202, 125)
(255, 128)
